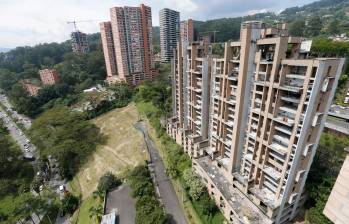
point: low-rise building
(31, 88)
(337, 121)
(49, 76)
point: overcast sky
(29, 22)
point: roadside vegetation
(153, 99)
(327, 163)
(148, 207)
(16, 175)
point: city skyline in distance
(32, 22)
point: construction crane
(80, 21)
(214, 34)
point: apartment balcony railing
(272, 173)
(275, 145)
(284, 129)
(283, 139)
(231, 99)
(290, 99)
(233, 75)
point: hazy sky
(29, 22)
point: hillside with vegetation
(320, 18)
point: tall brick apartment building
(127, 44)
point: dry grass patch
(124, 148)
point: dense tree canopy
(67, 136)
(15, 173)
(323, 173)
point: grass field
(124, 149)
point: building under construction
(79, 42)
(251, 120)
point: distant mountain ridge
(326, 16)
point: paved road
(167, 193)
(29, 150)
(125, 204)
(25, 121)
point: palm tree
(96, 213)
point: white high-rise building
(169, 33)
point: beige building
(191, 83)
(337, 206)
(187, 30)
(127, 44)
(268, 103)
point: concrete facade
(108, 49)
(79, 42)
(127, 45)
(187, 30)
(169, 33)
(49, 76)
(337, 206)
(267, 107)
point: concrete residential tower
(79, 42)
(187, 30)
(268, 103)
(169, 33)
(127, 44)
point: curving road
(163, 183)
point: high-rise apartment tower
(187, 30)
(169, 33)
(127, 44)
(268, 103)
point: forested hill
(324, 18)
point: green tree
(297, 28)
(70, 203)
(193, 183)
(333, 27)
(96, 213)
(314, 26)
(67, 136)
(107, 182)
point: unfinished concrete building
(191, 67)
(79, 42)
(268, 106)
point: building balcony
(290, 99)
(291, 88)
(278, 147)
(284, 129)
(272, 173)
(281, 138)
(295, 76)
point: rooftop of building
(339, 111)
(245, 209)
(33, 81)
